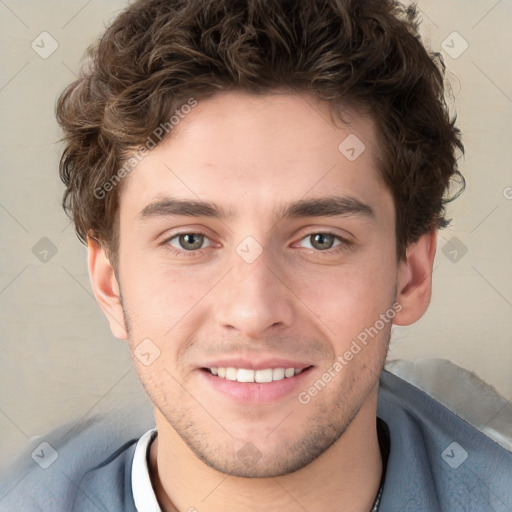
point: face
(253, 248)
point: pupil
(191, 241)
(322, 241)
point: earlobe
(106, 288)
(414, 284)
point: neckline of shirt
(144, 494)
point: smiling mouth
(260, 376)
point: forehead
(253, 152)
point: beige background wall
(58, 359)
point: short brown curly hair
(158, 54)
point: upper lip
(253, 364)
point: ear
(414, 285)
(106, 288)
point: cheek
(348, 299)
(159, 296)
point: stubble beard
(243, 458)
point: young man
(260, 185)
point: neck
(349, 472)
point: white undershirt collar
(143, 493)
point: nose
(254, 299)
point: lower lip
(255, 392)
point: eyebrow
(332, 206)
(190, 208)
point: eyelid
(315, 230)
(177, 235)
(195, 229)
(312, 229)
(337, 238)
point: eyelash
(184, 253)
(342, 246)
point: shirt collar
(143, 493)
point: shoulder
(80, 467)
(107, 486)
(437, 460)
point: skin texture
(252, 156)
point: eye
(320, 241)
(189, 241)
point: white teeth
(289, 372)
(278, 373)
(243, 375)
(248, 375)
(263, 375)
(231, 373)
